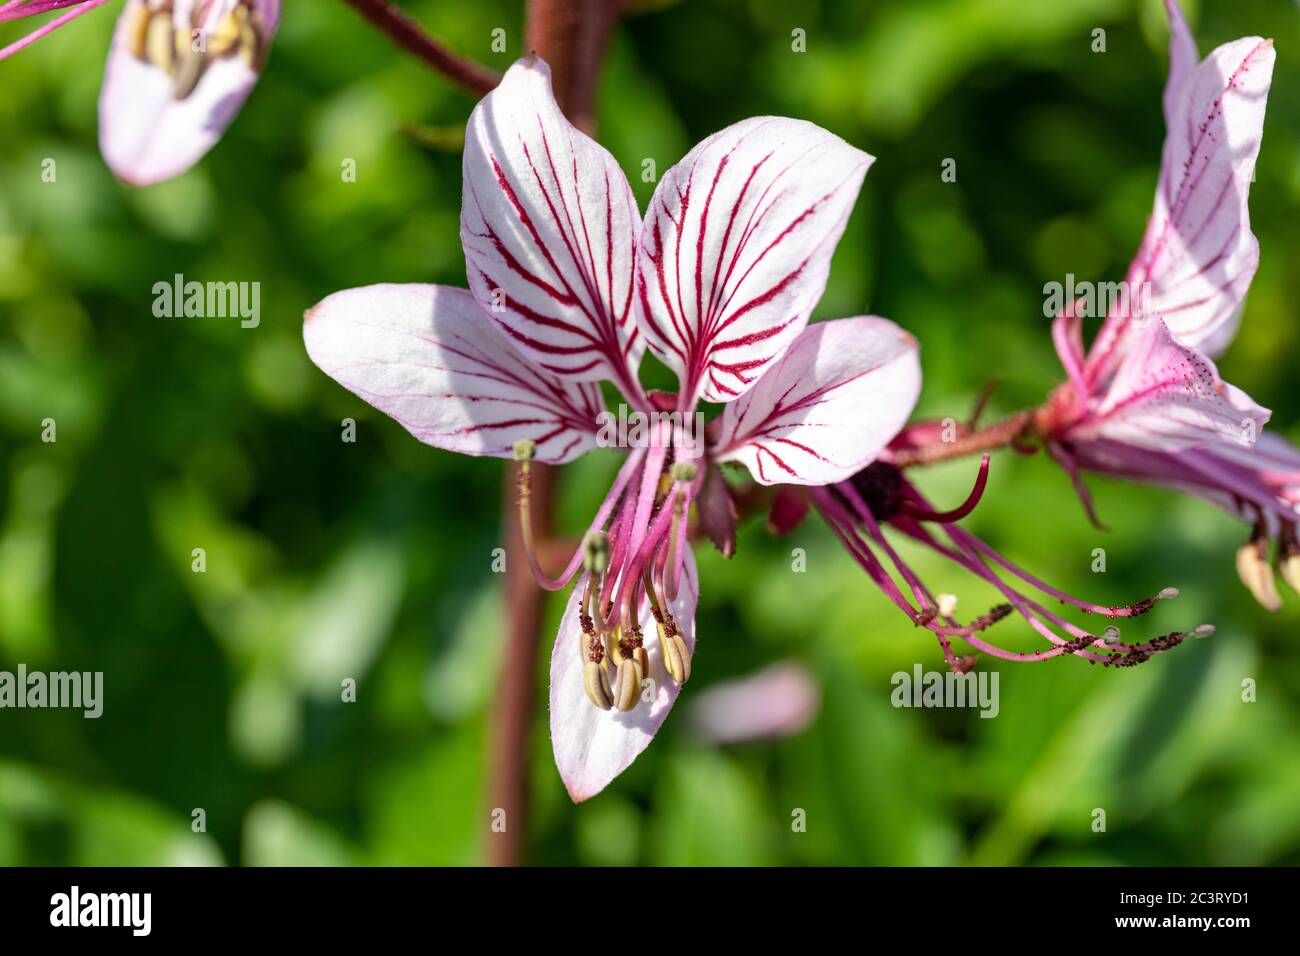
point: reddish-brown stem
(411, 37)
(999, 435)
(571, 36)
(516, 696)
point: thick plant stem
(1003, 434)
(571, 35)
(411, 37)
(516, 698)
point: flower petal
(779, 701)
(1182, 60)
(828, 407)
(736, 248)
(1198, 255)
(549, 225)
(1168, 397)
(594, 746)
(146, 132)
(427, 356)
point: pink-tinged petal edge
(736, 248)
(428, 357)
(1168, 397)
(780, 700)
(594, 746)
(828, 407)
(1198, 255)
(549, 226)
(146, 135)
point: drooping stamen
(524, 452)
(1135, 609)
(970, 554)
(672, 646)
(683, 476)
(962, 510)
(1254, 570)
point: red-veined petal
(594, 746)
(736, 248)
(428, 357)
(549, 225)
(1167, 397)
(825, 410)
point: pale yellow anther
(682, 471)
(1290, 568)
(159, 45)
(225, 35)
(135, 28)
(187, 67)
(642, 661)
(1254, 570)
(627, 685)
(677, 657)
(596, 684)
(252, 47)
(525, 449)
(1111, 635)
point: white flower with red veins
(178, 72)
(1146, 401)
(567, 288)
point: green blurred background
(373, 559)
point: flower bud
(596, 684)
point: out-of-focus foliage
(328, 560)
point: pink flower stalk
(1146, 402)
(858, 509)
(178, 72)
(567, 288)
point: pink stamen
(962, 510)
(45, 29)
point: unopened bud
(1254, 571)
(596, 684)
(525, 449)
(595, 553)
